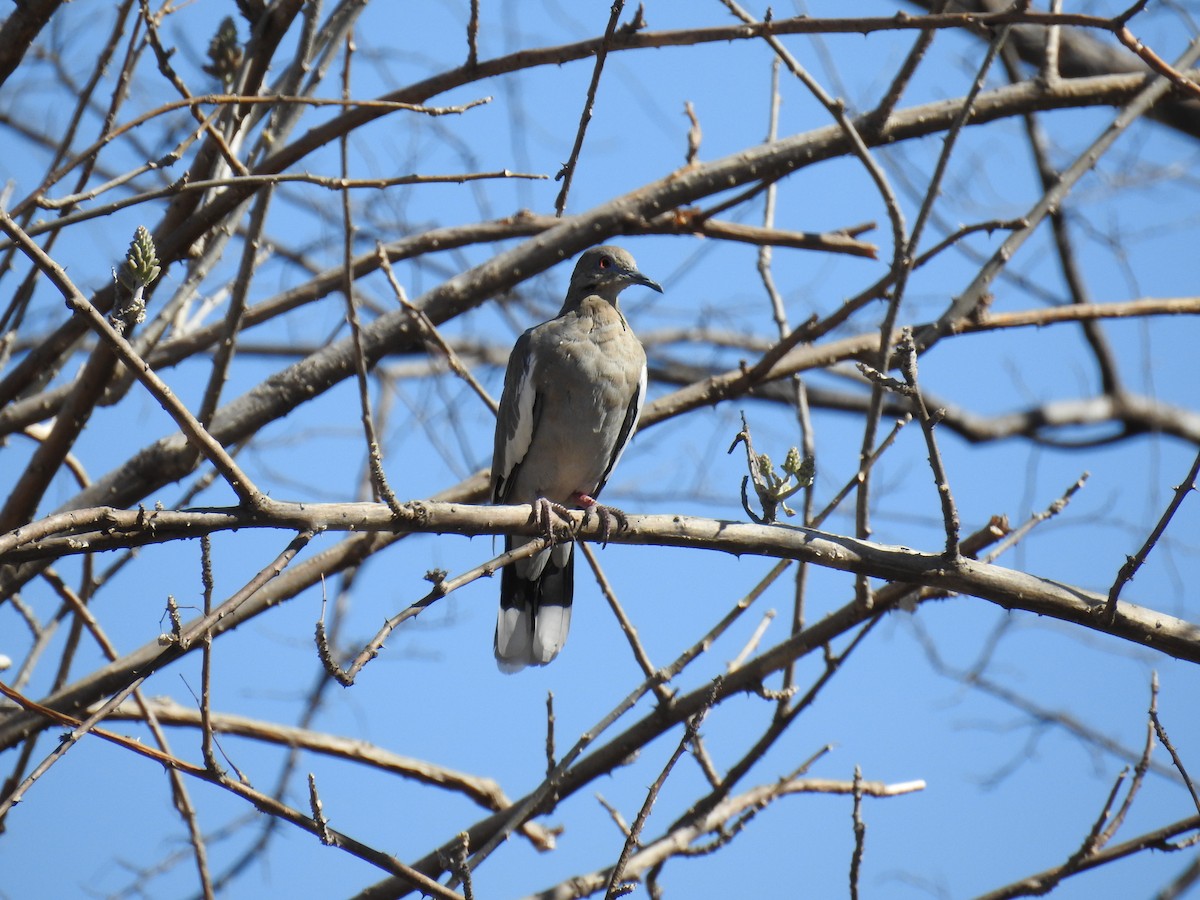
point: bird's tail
(535, 607)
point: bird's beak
(636, 277)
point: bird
(573, 391)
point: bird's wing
(516, 419)
(632, 413)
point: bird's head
(605, 272)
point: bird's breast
(588, 376)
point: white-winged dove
(572, 395)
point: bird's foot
(554, 519)
(608, 515)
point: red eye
(605, 262)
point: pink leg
(606, 514)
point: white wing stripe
(517, 444)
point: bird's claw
(606, 515)
(549, 514)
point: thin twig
(907, 352)
(550, 754)
(1166, 742)
(964, 304)
(1133, 563)
(627, 627)
(615, 885)
(442, 587)
(1018, 534)
(197, 436)
(751, 645)
(799, 388)
(662, 676)
(263, 802)
(567, 173)
(431, 332)
(785, 715)
(1072, 271)
(879, 115)
(1160, 839)
(206, 729)
(473, 35)
(694, 134)
(318, 812)
(864, 466)
(860, 833)
(66, 741)
(235, 314)
(374, 454)
(164, 65)
(1048, 74)
(182, 800)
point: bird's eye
(605, 262)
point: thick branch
(1005, 587)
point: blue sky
(1006, 795)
